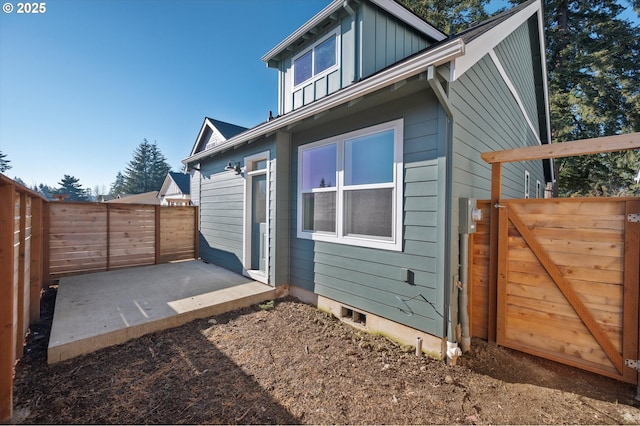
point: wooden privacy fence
(41, 241)
(21, 256)
(86, 237)
(568, 280)
(559, 278)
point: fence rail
(41, 241)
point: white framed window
(318, 60)
(350, 188)
(538, 189)
(527, 183)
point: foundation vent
(354, 316)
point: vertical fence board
(36, 259)
(7, 338)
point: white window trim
(246, 237)
(527, 183)
(538, 189)
(314, 77)
(395, 243)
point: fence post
(157, 237)
(22, 279)
(496, 194)
(7, 337)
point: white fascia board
(409, 18)
(413, 66)
(482, 45)
(334, 6)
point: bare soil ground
(297, 365)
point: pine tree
(45, 190)
(69, 185)
(4, 163)
(449, 16)
(118, 187)
(594, 85)
(147, 171)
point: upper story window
(318, 60)
(350, 188)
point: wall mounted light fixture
(230, 167)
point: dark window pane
(302, 68)
(369, 159)
(319, 212)
(319, 167)
(369, 212)
(325, 55)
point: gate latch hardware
(632, 363)
(634, 218)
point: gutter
(388, 77)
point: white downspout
(453, 351)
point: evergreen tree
(69, 186)
(449, 16)
(118, 187)
(594, 84)
(45, 190)
(147, 171)
(4, 163)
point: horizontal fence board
(86, 237)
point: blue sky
(82, 84)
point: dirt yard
(296, 365)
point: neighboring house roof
(144, 198)
(394, 8)
(463, 50)
(182, 181)
(216, 131)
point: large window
(318, 60)
(350, 188)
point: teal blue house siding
(222, 209)
(373, 280)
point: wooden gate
(567, 281)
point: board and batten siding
(222, 206)
(370, 42)
(384, 40)
(372, 279)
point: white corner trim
(485, 43)
(515, 94)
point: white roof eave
(390, 6)
(394, 74)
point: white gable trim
(215, 132)
(389, 5)
(485, 43)
(514, 93)
(408, 17)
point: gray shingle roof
(182, 180)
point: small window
(527, 183)
(538, 189)
(350, 188)
(321, 58)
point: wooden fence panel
(20, 262)
(562, 292)
(77, 238)
(132, 235)
(87, 237)
(178, 231)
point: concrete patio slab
(98, 310)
